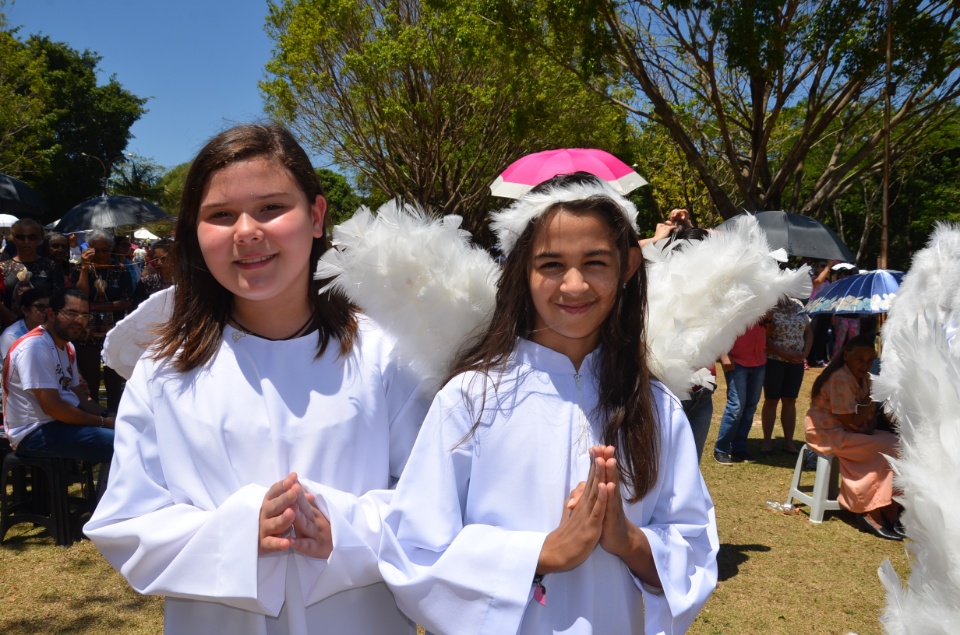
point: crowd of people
(277, 467)
(60, 296)
(769, 361)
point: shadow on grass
(91, 613)
(732, 556)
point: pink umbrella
(533, 169)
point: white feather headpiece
(508, 224)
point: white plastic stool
(826, 485)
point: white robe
(468, 519)
(196, 452)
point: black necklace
(245, 331)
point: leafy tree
(342, 201)
(171, 185)
(924, 190)
(90, 124)
(59, 130)
(423, 100)
(756, 85)
(137, 176)
(24, 121)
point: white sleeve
(356, 522)
(178, 549)
(681, 528)
(445, 575)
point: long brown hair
(625, 402)
(201, 304)
(860, 341)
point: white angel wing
(132, 335)
(919, 382)
(418, 277)
(705, 295)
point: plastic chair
(826, 485)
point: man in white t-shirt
(47, 408)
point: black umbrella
(800, 236)
(18, 198)
(105, 212)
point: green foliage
(53, 113)
(24, 122)
(342, 201)
(747, 91)
(137, 176)
(88, 119)
(424, 100)
(171, 186)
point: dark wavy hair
(860, 341)
(625, 401)
(201, 304)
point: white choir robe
(470, 514)
(195, 454)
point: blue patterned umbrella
(870, 292)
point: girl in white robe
(262, 403)
(554, 486)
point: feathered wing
(919, 382)
(132, 335)
(417, 276)
(421, 279)
(706, 294)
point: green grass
(778, 573)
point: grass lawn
(778, 573)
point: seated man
(47, 409)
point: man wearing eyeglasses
(47, 408)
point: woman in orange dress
(841, 422)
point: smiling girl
(262, 402)
(554, 487)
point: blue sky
(198, 61)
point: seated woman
(841, 421)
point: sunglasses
(39, 306)
(26, 236)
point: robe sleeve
(446, 576)
(179, 549)
(356, 522)
(682, 530)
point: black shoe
(742, 457)
(722, 458)
(879, 532)
(899, 529)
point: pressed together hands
(592, 515)
(291, 519)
